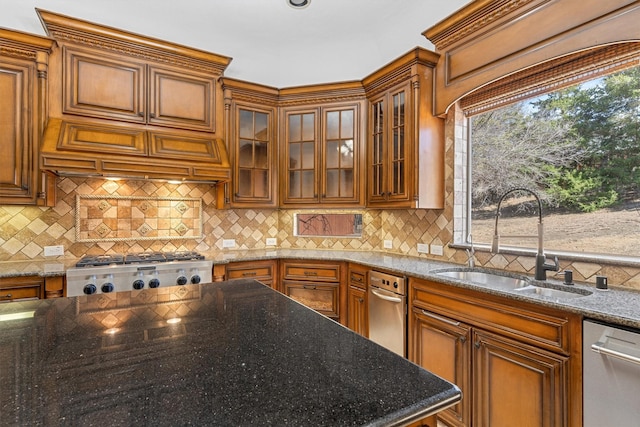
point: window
(579, 150)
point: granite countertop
(615, 305)
(240, 354)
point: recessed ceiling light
(298, 4)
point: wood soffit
(551, 76)
(67, 29)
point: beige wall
(24, 231)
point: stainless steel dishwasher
(611, 375)
(388, 311)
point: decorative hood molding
(126, 105)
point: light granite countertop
(615, 305)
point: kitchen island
(230, 353)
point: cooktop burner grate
(138, 258)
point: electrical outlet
(423, 248)
(437, 250)
(388, 244)
(54, 250)
(228, 243)
(271, 241)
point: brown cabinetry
(322, 157)
(316, 285)
(121, 88)
(405, 147)
(21, 288)
(513, 362)
(23, 106)
(251, 129)
(263, 271)
(357, 313)
(127, 105)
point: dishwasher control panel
(396, 284)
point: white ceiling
(270, 42)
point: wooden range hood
(126, 105)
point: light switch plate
(272, 241)
(54, 250)
(228, 243)
(388, 244)
(423, 248)
(437, 250)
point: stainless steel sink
(553, 293)
(521, 285)
(486, 279)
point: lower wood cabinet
(357, 307)
(516, 363)
(316, 284)
(263, 271)
(21, 288)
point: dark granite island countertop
(226, 354)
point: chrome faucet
(471, 252)
(542, 266)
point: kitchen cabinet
(23, 109)
(316, 285)
(513, 362)
(357, 313)
(262, 271)
(251, 132)
(123, 88)
(21, 288)
(122, 104)
(322, 155)
(405, 142)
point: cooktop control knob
(182, 280)
(89, 289)
(195, 279)
(154, 283)
(107, 287)
(138, 284)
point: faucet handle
(552, 267)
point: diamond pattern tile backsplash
(24, 231)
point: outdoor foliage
(579, 147)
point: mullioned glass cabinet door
(254, 160)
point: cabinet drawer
(358, 279)
(315, 272)
(244, 272)
(321, 297)
(533, 324)
(16, 288)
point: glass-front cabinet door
(321, 156)
(301, 141)
(389, 147)
(339, 166)
(254, 157)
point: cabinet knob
(140, 114)
(360, 300)
(6, 296)
(463, 339)
(478, 344)
(152, 115)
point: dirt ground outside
(607, 231)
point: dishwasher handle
(385, 297)
(600, 347)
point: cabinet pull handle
(249, 273)
(6, 296)
(356, 279)
(309, 287)
(152, 115)
(310, 273)
(140, 114)
(440, 318)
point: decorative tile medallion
(102, 218)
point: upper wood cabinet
(127, 105)
(125, 89)
(23, 109)
(322, 154)
(251, 132)
(405, 142)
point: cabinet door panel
(515, 384)
(357, 315)
(443, 346)
(182, 101)
(17, 177)
(103, 86)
